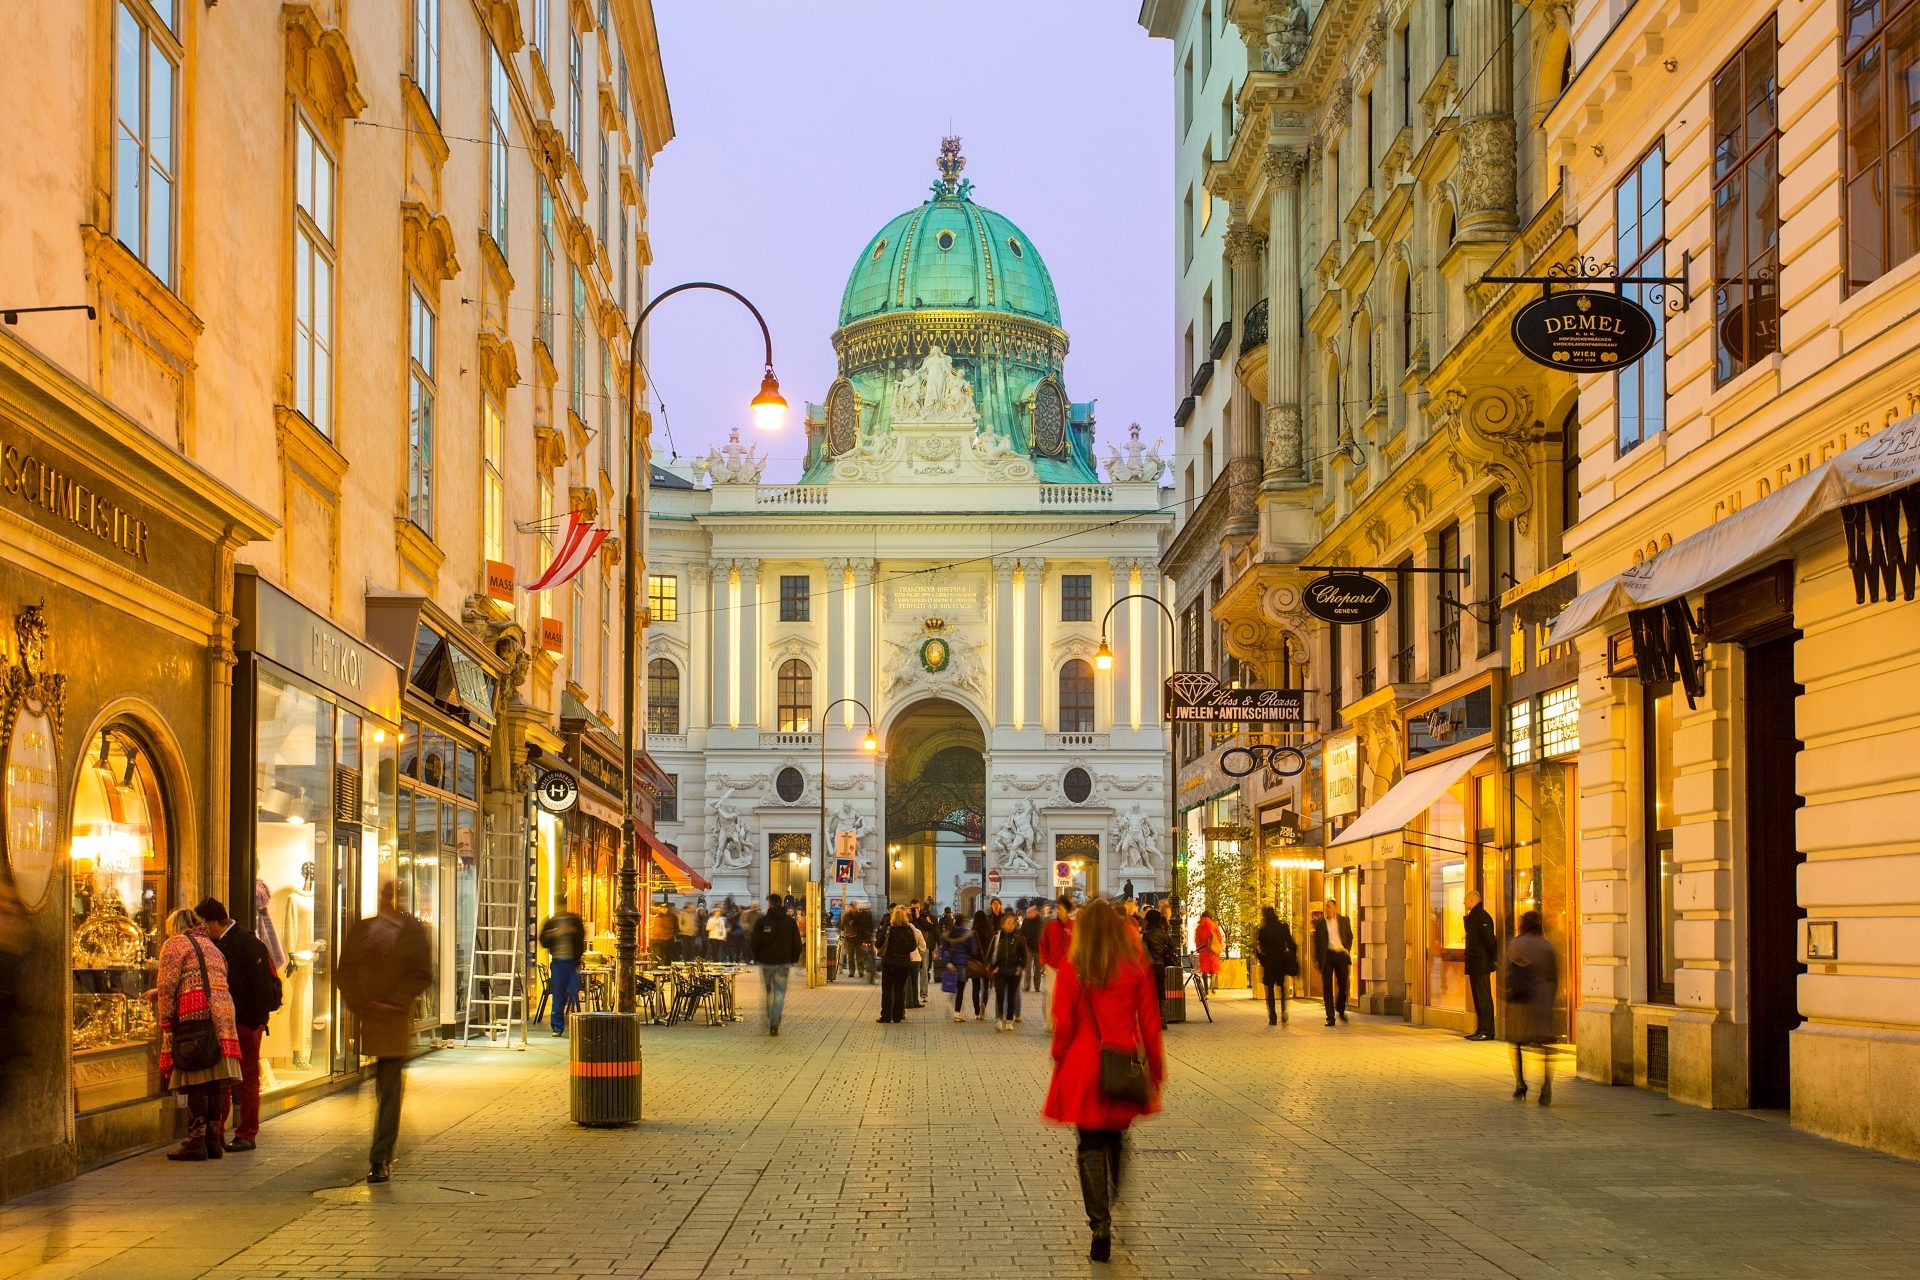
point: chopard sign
(35, 482)
(1347, 597)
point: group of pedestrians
(695, 931)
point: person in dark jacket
(775, 947)
(256, 993)
(898, 941)
(1031, 927)
(1007, 959)
(959, 952)
(565, 938)
(1533, 985)
(1483, 956)
(1279, 958)
(1333, 955)
(386, 964)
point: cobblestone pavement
(846, 1148)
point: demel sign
(1583, 329)
(1344, 598)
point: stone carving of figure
(1133, 839)
(730, 849)
(1141, 465)
(1013, 842)
(737, 463)
(847, 818)
(1286, 37)
(936, 372)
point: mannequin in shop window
(300, 941)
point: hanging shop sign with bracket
(1346, 598)
(1199, 697)
(1592, 324)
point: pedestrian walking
(775, 947)
(199, 1038)
(899, 951)
(386, 963)
(736, 935)
(1032, 925)
(564, 935)
(1333, 953)
(1007, 959)
(922, 931)
(1162, 949)
(255, 989)
(960, 966)
(661, 928)
(686, 925)
(1483, 956)
(1108, 1067)
(1057, 935)
(1532, 986)
(716, 936)
(1209, 946)
(1279, 958)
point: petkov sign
(1343, 598)
(1583, 329)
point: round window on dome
(1014, 244)
(944, 240)
(880, 248)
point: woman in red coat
(1105, 995)
(1209, 944)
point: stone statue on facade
(736, 463)
(1133, 839)
(1141, 465)
(731, 848)
(1013, 843)
(1285, 37)
(847, 818)
(935, 391)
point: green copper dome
(950, 252)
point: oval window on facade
(790, 784)
(1078, 784)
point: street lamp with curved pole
(816, 874)
(769, 412)
(1103, 661)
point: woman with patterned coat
(193, 989)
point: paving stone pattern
(845, 1148)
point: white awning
(1885, 462)
(1410, 797)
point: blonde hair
(179, 920)
(897, 916)
(1102, 943)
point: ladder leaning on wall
(497, 972)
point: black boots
(1096, 1189)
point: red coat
(1128, 1012)
(1054, 941)
(1205, 957)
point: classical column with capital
(1033, 576)
(1003, 651)
(1245, 248)
(699, 644)
(834, 603)
(1120, 640)
(750, 659)
(723, 619)
(1283, 431)
(864, 621)
(1485, 176)
(1154, 641)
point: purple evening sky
(802, 127)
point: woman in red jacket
(1105, 996)
(1209, 944)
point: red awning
(683, 877)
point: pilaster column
(700, 617)
(1120, 638)
(1003, 650)
(864, 621)
(836, 604)
(1033, 576)
(1154, 638)
(724, 619)
(749, 660)
(1244, 249)
(1486, 171)
(1285, 458)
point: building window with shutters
(1746, 206)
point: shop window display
(294, 906)
(1446, 905)
(439, 829)
(121, 863)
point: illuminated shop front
(317, 732)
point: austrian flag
(576, 550)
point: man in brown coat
(386, 963)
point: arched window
(1406, 320)
(1362, 356)
(663, 696)
(1076, 697)
(795, 697)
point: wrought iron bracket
(1672, 294)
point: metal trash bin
(605, 1065)
(833, 958)
(1173, 994)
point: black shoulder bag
(1123, 1072)
(196, 1043)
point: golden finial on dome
(951, 163)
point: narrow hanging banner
(576, 550)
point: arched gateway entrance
(936, 804)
